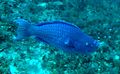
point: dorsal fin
(56, 22)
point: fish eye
(87, 44)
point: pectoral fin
(68, 42)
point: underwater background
(97, 18)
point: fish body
(59, 34)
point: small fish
(60, 34)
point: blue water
(99, 19)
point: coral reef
(98, 18)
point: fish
(59, 34)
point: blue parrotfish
(59, 34)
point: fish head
(86, 47)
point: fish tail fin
(23, 29)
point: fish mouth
(96, 43)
